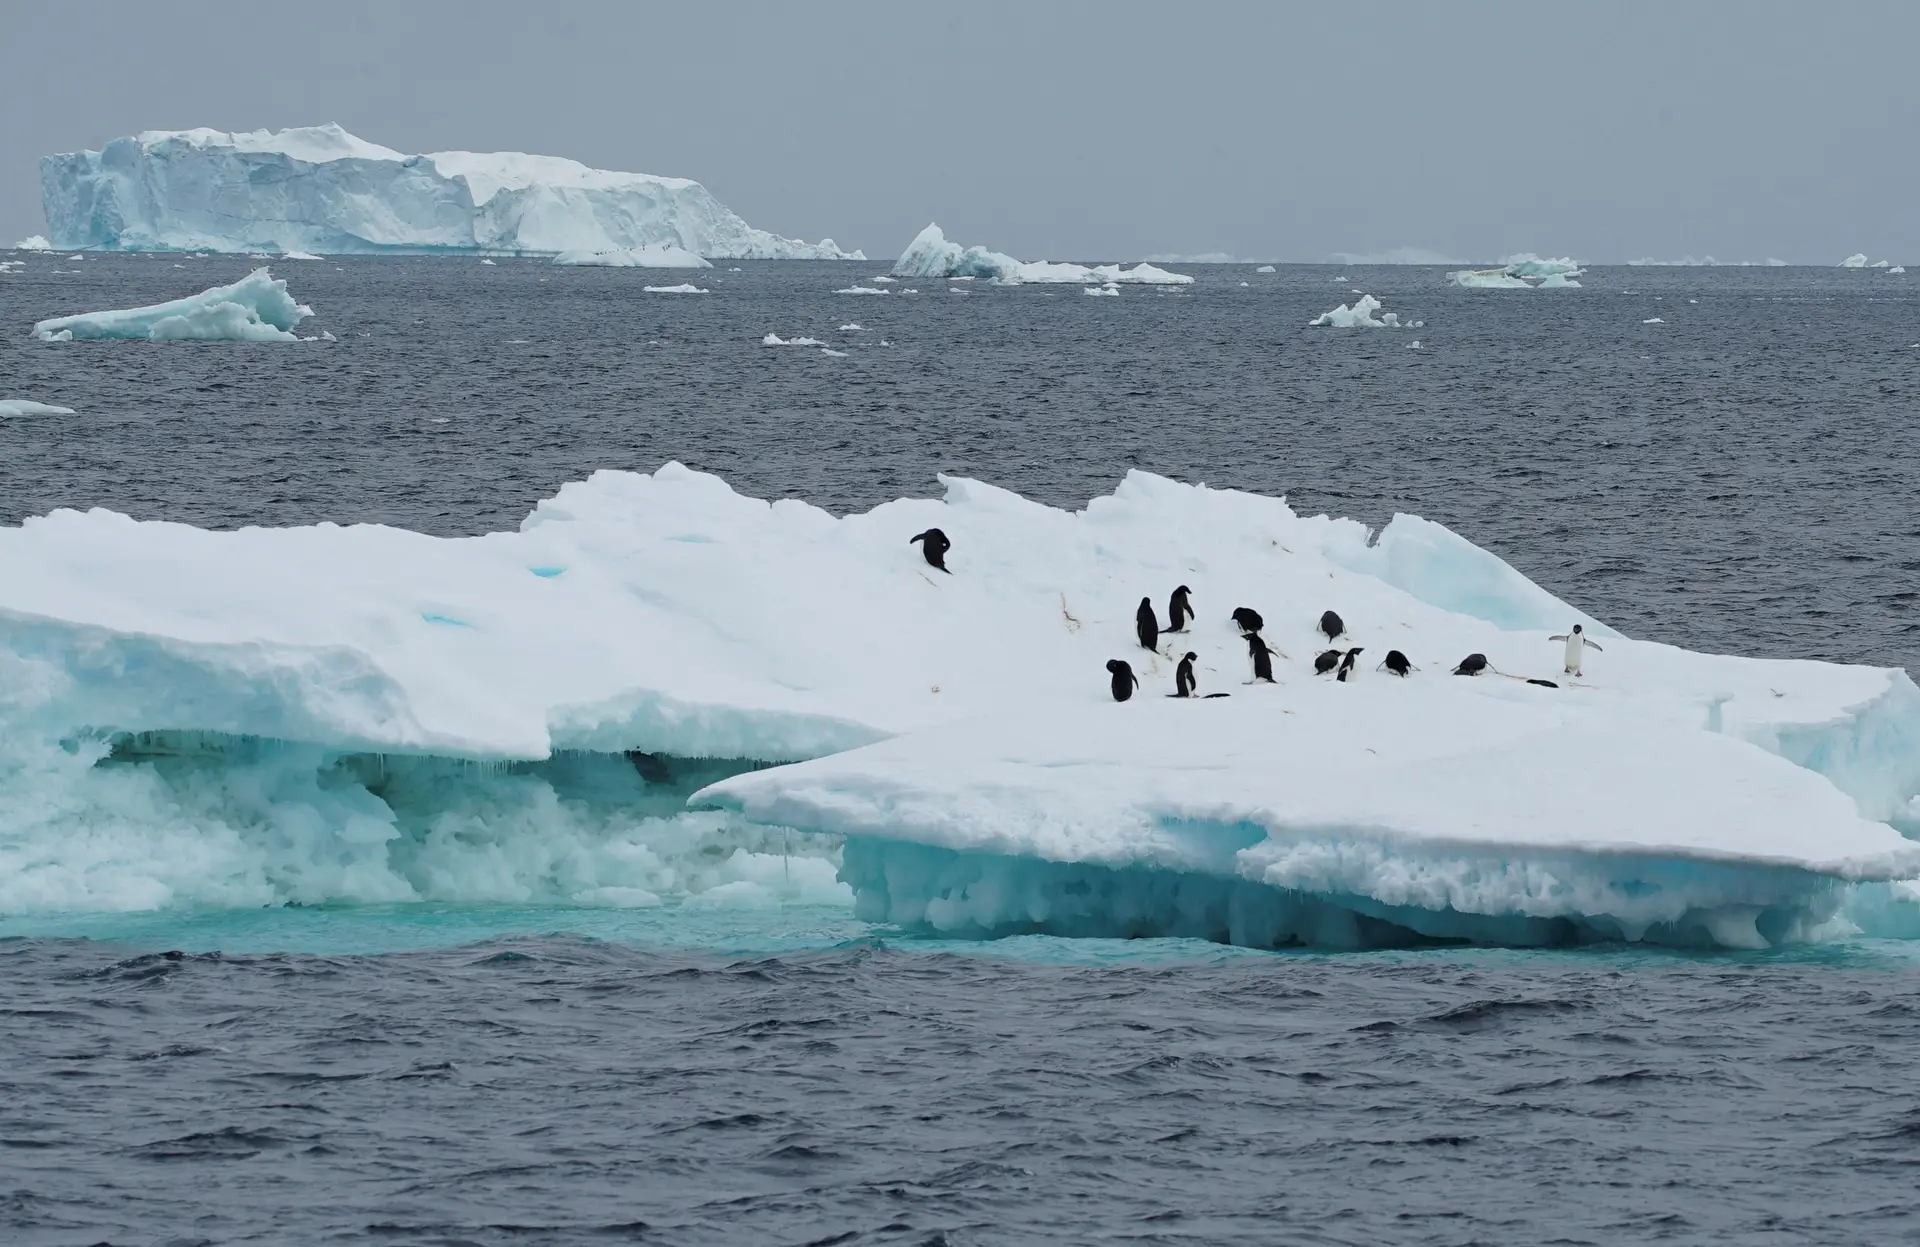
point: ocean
(1736, 477)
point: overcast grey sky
(1075, 130)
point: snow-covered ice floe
(269, 716)
(864, 290)
(1265, 268)
(321, 189)
(685, 287)
(1361, 316)
(27, 407)
(774, 339)
(257, 308)
(634, 257)
(1525, 271)
(931, 255)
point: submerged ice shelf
(321, 189)
(957, 729)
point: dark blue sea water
(1737, 477)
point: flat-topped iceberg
(298, 709)
(931, 255)
(321, 189)
(257, 308)
(1525, 271)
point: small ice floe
(1361, 316)
(76, 256)
(827, 350)
(257, 308)
(861, 290)
(1414, 345)
(1264, 268)
(1653, 320)
(35, 242)
(298, 255)
(1898, 268)
(774, 339)
(850, 327)
(12, 266)
(882, 280)
(685, 287)
(326, 335)
(486, 261)
(1246, 283)
(27, 407)
(1098, 290)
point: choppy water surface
(1738, 477)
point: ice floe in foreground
(265, 716)
(27, 407)
(257, 308)
(931, 255)
(1361, 316)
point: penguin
(1472, 664)
(1577, 643)
(1179, 610)
(1262, 658)
(1332, 625)
(1397, 663)
(1326, 661)
(1346, 664)
(1124, 681)
(1146, 627)
(934, 545)
(1248, 619)
(1183, 685)
(1543, 683)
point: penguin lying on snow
(1397, 663)
(1577, 644)
(1146, 627)
(1326, 661)
(1472, 664)
(1179, 609)
(934, 545)
(1332, 625)
(1124, 681)
(1248, 619)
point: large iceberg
(364, 713)
(931, 255)
(257, 308)
(321, 189)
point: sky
(1741, 129)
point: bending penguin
(1146, 627)
(1577, 644)
(1248, 619)
(1472, 664)
(1179, 610)
(1332, 625)
(1124, 681)
(1326, 661)
(1397, 663)
(1262, 658)
(934, 545)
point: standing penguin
(1577, 644)
(1397, 663)
(1146, 627)
(1262, 658)
(1346, 664)
(1472, 664)
(1124, 681)
(1183, 684)
(1179, 610)
(934, 545)
(1248, 619)
(1326, 661)
(1332, 625)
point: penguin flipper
(1595, 645)
(1561, 637)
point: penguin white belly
(1576, 646)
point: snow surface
(257, 308)
(262, 715)
(931, 255)
(27, 407)
(662, 256)
(321, 189)
(1361, 316)
(682, 288)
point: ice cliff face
(322, 189)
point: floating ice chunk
(1487, 279)
(659, 256)
(867, 290)
(35, 242)
(321, 189)
(1880, 264)
(1653, 320)
(882, 280)
(298, 255)
(931, 255)
(1898, 268)
(1361, 316)
(1246, 283)
(487, 262)
(12, 266)
(257, 308)
(682, 288)
(27, 407)
(1087, 290)
(774, 339)
(1265, 268)
(827, 350)
(1857, 260)
(850, 327)
(1414, 345)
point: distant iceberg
(1361, 316)
(931, 255)
(1264, 268)
(37, 242)
(1525, 271)
(634, 257)
(321, 189)
(1898, 268)
(257, 308)
(1857, 260)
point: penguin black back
(1397, 663)
(1145, 626)
(1248, 619)
(1179, 609)
(934, 545)
(1183, 684)
(1472, 664)
(1346, 664)
(1326, 661)
(1332, 624)
(1262, 657)
(1124, 681)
